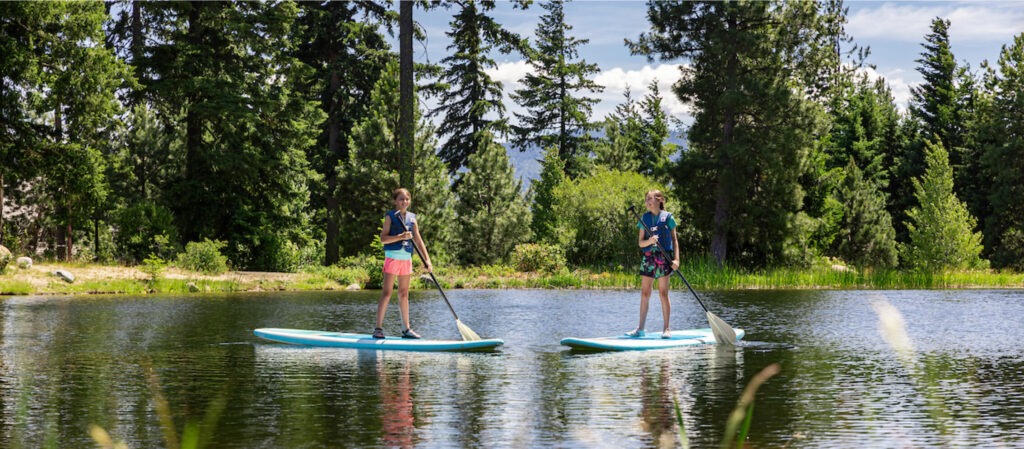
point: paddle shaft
(665, 254)
(438, 285)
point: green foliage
(154, 268)
(866, 236)
(538, 257)
(752, 83)
(941, 230)
(1004, 158)
(493, 216)
(370, 175)
(555, 116)
(635, 137)
(593, 224)
(552, 173)
(144, 229)
(204, 256)
(472, 96)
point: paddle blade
(467, 333)
(724, 334)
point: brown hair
(657, 194)
(394, 195)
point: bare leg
(646, 283)
(403, 299)
(666, 307)
(385, 297)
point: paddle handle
(665, 254)
(438, 285)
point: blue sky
(893, 30)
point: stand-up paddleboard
(366, 341)
(689, 337)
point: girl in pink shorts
(398, 251)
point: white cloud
(899, 86)
(616, 80)
(509, 73)
(910, 23)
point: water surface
(69, 362)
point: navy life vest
(659, 226)
(396, 228)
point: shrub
(145, 229)
(593, 224)
(538, 257)
(154, 267)
(204, 256)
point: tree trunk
(136, 46)
(334, 152)
(720, 233)
(193, 134)
(1, 207)
(68, 235)
(96, 239)
(406, 164)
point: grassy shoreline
(112, 279)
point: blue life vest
(396, 228)
(659, 226)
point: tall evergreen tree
(555, 115)
(941, 229)
(493, 215)
(866, 236)
(59, 86)
(372, 172)
(244, 175)
(636, 137)
(1004, 158)
(472, 98)
(752, 133)
(938, 112)
(341, 41)
(552, 173)
(865, 127)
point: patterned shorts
(655, 266)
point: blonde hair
(394, 195)
(657, 194)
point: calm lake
(69, 362)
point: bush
(593, 223)
(154, 267)
(204, 256)
(538, 257)
(145, 229)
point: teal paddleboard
(689, 337)
(366, 341)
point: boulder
(192, 287)
(353, 287)
(5, 257)
(65, 275)
(24, 262)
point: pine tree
(1004, 158)
(941, 229)
(493, 215)
(938, 112)
(552, 174)
(751, 136)
(244, 175)
(866, 236)
(554, 117)
(472, 96)
(371, 173)
(635, 137)
(343, 44)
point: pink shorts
(399, 267)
